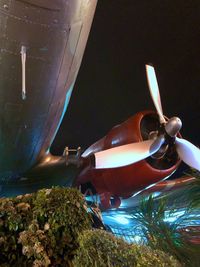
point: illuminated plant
(164, 223)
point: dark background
(111, 85)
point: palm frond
(160, 231)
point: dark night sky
(111, 84)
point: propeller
(127, 154)
(157, 144)
(154, 91)
(187, 152)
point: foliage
(52, 228)
(192, 191)
(41, 229)
(15, 216)
(148, 257)
(101, 249)
(162, 234)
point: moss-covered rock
(41, 229)
(101, 249)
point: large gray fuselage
(54, 34)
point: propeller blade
(126, 154)
(154, 91)
(188, 153)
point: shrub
(41, 229)
(101, 249)
(52, 228)
(147, 257)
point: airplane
(41, 48)
(42, 45)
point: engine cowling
(123, 181)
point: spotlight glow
(121, 219)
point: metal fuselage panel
(54, 33)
